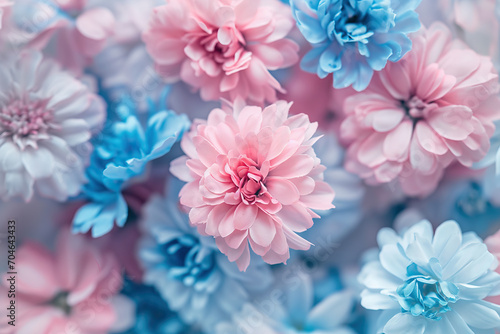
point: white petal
(10, 157)
(38, 162)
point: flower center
(357, 20)
(416, 109)
(251, 184)
(21, 119)
(213, 55)
(187, 261)
(423, 295)
(60, 301)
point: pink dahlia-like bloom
(77, 29)
(224, 48)
(47, 118)
(253, 179)
(69, 291)
(433, 108)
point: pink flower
(69, 290)
(78, 29)
(253, 178)
(3, 5)
(433, 108)
(224, 48)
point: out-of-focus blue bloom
(467, 201)
(432, 283)
(121, 152)
(335, 224)
(152, 313)
(353, 38)
(296, 314)
(189, 271)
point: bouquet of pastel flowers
(249, 166)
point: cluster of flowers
(252, 166)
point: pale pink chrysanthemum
(433, 108)
(77, 30)
(224, 48)
(47, 118)
(73, 289)
(253, 179)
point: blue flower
(294, 311)
(152, 313)
(467, 201)
(189, 271)
(432, 283)
(353, 38)
(121, 152)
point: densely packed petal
(433, 108)
(47, 118)
(354, 38)
(253, 178)
(433, 282)
(223, 48)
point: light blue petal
(405, 323)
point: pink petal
(296, 217)
(225, 216)
(199, 215)
(321, 198)
(280, 244)
(38, 274)
(386, 119)
(244, 260)
(429, 139)
(235, 239)
(451, 122)
(179, 169)
(244, 216)
(206, 152)
(263, 230)
(397, 142)
(190, 195)
(250, 120)
(283, 190)
(296, 166)
(304, 184)
(94, 25)
(294, 241)
(371, 151)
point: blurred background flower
(188, 270)
(122, 151)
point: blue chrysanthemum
(121, 153)
(152, 314)
(432, 283)
(467, 201)
(189, 271)
(294, 312)
(353, 38)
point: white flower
(46, 121)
